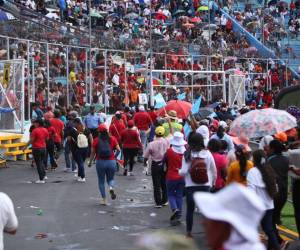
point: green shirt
(177, 127)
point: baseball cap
(160, 131)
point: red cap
(130, 123)
(102, 127)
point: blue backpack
(104, 150)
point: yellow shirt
(233, 173)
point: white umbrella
(52, 15)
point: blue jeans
(175, 194)
(190, 204)
(79, 156)
(105, 168)
(144, 139)
(67, 157)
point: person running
(38, 139)
(80, 138)
(103, 147)
(175, 182)
(214, 146)
(261, 179)
(131, 144)
(92, 121)
(196, 149)
(238, 169)
(156, 151)
(50, 149)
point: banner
(159, 101)
(143, 99)
(196, 106)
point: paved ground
(72, 217)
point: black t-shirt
(74, 134)
(280, 165)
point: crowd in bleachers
(174, 22)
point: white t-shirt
(256, 183)
(8, 218)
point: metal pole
(86, 76)
(23, 98)
(151, 86)
(151, 59)
(224, 87)
(90, 45)
(7, 48)
(286, 75)
(33, 79)
(126, 82)
(28, 79)
(67, 73)
(268, 74)
(105, 83)
(192, 78)
(48, 74)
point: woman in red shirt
(50, 146)
(221, 161)
(131, 144)
(103, 147)
(175, 182)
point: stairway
(11, 148)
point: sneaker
(81, 179)
(158, 206)
(103, 202)
(45, 178)
(174, 215)
(67, 170)
(125, 173)
(129, 174)
(189, 236)
(40, 182)
(74, 171)
(165, 204)
(112, 194)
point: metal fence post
(126, 82)
(105, 83)
(48, 73)
(7, 48)
(67, 75)
(28, 79)
(86, 76)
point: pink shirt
(157, 149)
(221, 163)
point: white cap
(141, 108)
(203, 130)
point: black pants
(190, 204)
(129, 154)
(279, 203)
(39, 158)
(296, 202)
(50, 152)
(94, 132)
(159, 183)
(270, 230)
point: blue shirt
(92, 121)
(226, 138)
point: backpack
(198, 171)
(104, 150)
(82, 141)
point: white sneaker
(74, 171)
(103, 202)
(76, 175)
(81, 179)
(40, 182)
(67, 170)
(45, 178)
(128, 173)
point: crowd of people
(181, 163)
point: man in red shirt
(152, 114)
(38, 139)
(143, 122)
(59, 128)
